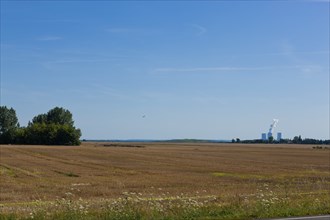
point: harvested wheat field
(227, 173)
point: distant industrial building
(269, 134)
(266, 136)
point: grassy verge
(136, 206)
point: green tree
(297, 140)
(42, 118)
(60, 116)
(270, 139)
(54, 128)
(8, 125)
(56, 115)
(20, 136)
(68, 135)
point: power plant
(266, 136)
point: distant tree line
(56, 127)
(295, 140)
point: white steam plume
(273, 125)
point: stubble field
(220, 175)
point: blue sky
(211, 70)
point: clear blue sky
(212, 70)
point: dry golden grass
(93, 171)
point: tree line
(56, 127)
(295, 140)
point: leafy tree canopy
(8, 119)
(8, 124)
(56, 115)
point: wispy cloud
(200, 29)
(301, 62)
(199, 69)
(235, 69)
(49, 38)
(288, 52)
(326, 1)
(129, 30)
(94, 91)
(79, 61)
(122, 30)
(53, 21)
(54, 63)
(109, 92)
